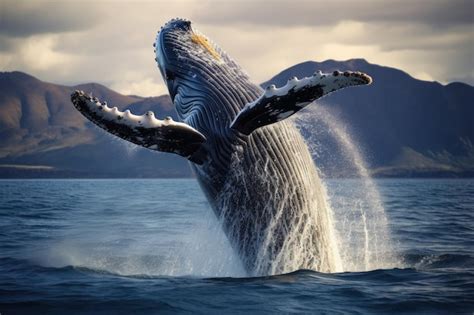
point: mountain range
(402, 125)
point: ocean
(147, 246)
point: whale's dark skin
(253, 166)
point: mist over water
(155, 236)
(200, 251)
(360, 222)
(172, 244)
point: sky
(110, 42)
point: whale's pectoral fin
(276, 104)
(145, 130)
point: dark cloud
(25, 18)
(436, 13)
(430, 39)
(7, 44)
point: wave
(440, 261)
(25, 286)
(149, 267)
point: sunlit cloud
(38, 54)
(147, 86)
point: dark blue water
(153, 246)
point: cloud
(20, 18)
(271, 49)
(37, 54)
(111, 42)
(437, 13)
(146, 86)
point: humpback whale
(251, 162)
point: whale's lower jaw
(272, 207)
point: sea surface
(133, 246)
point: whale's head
(184, 55)
(191, 64)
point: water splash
(279, 221)
(149, 230)
(352, 206)
(201, 251)
(363, 233)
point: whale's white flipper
(276, 104)
(161, 135)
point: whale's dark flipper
(145, 130)
(276, 104)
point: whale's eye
(169, 75)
